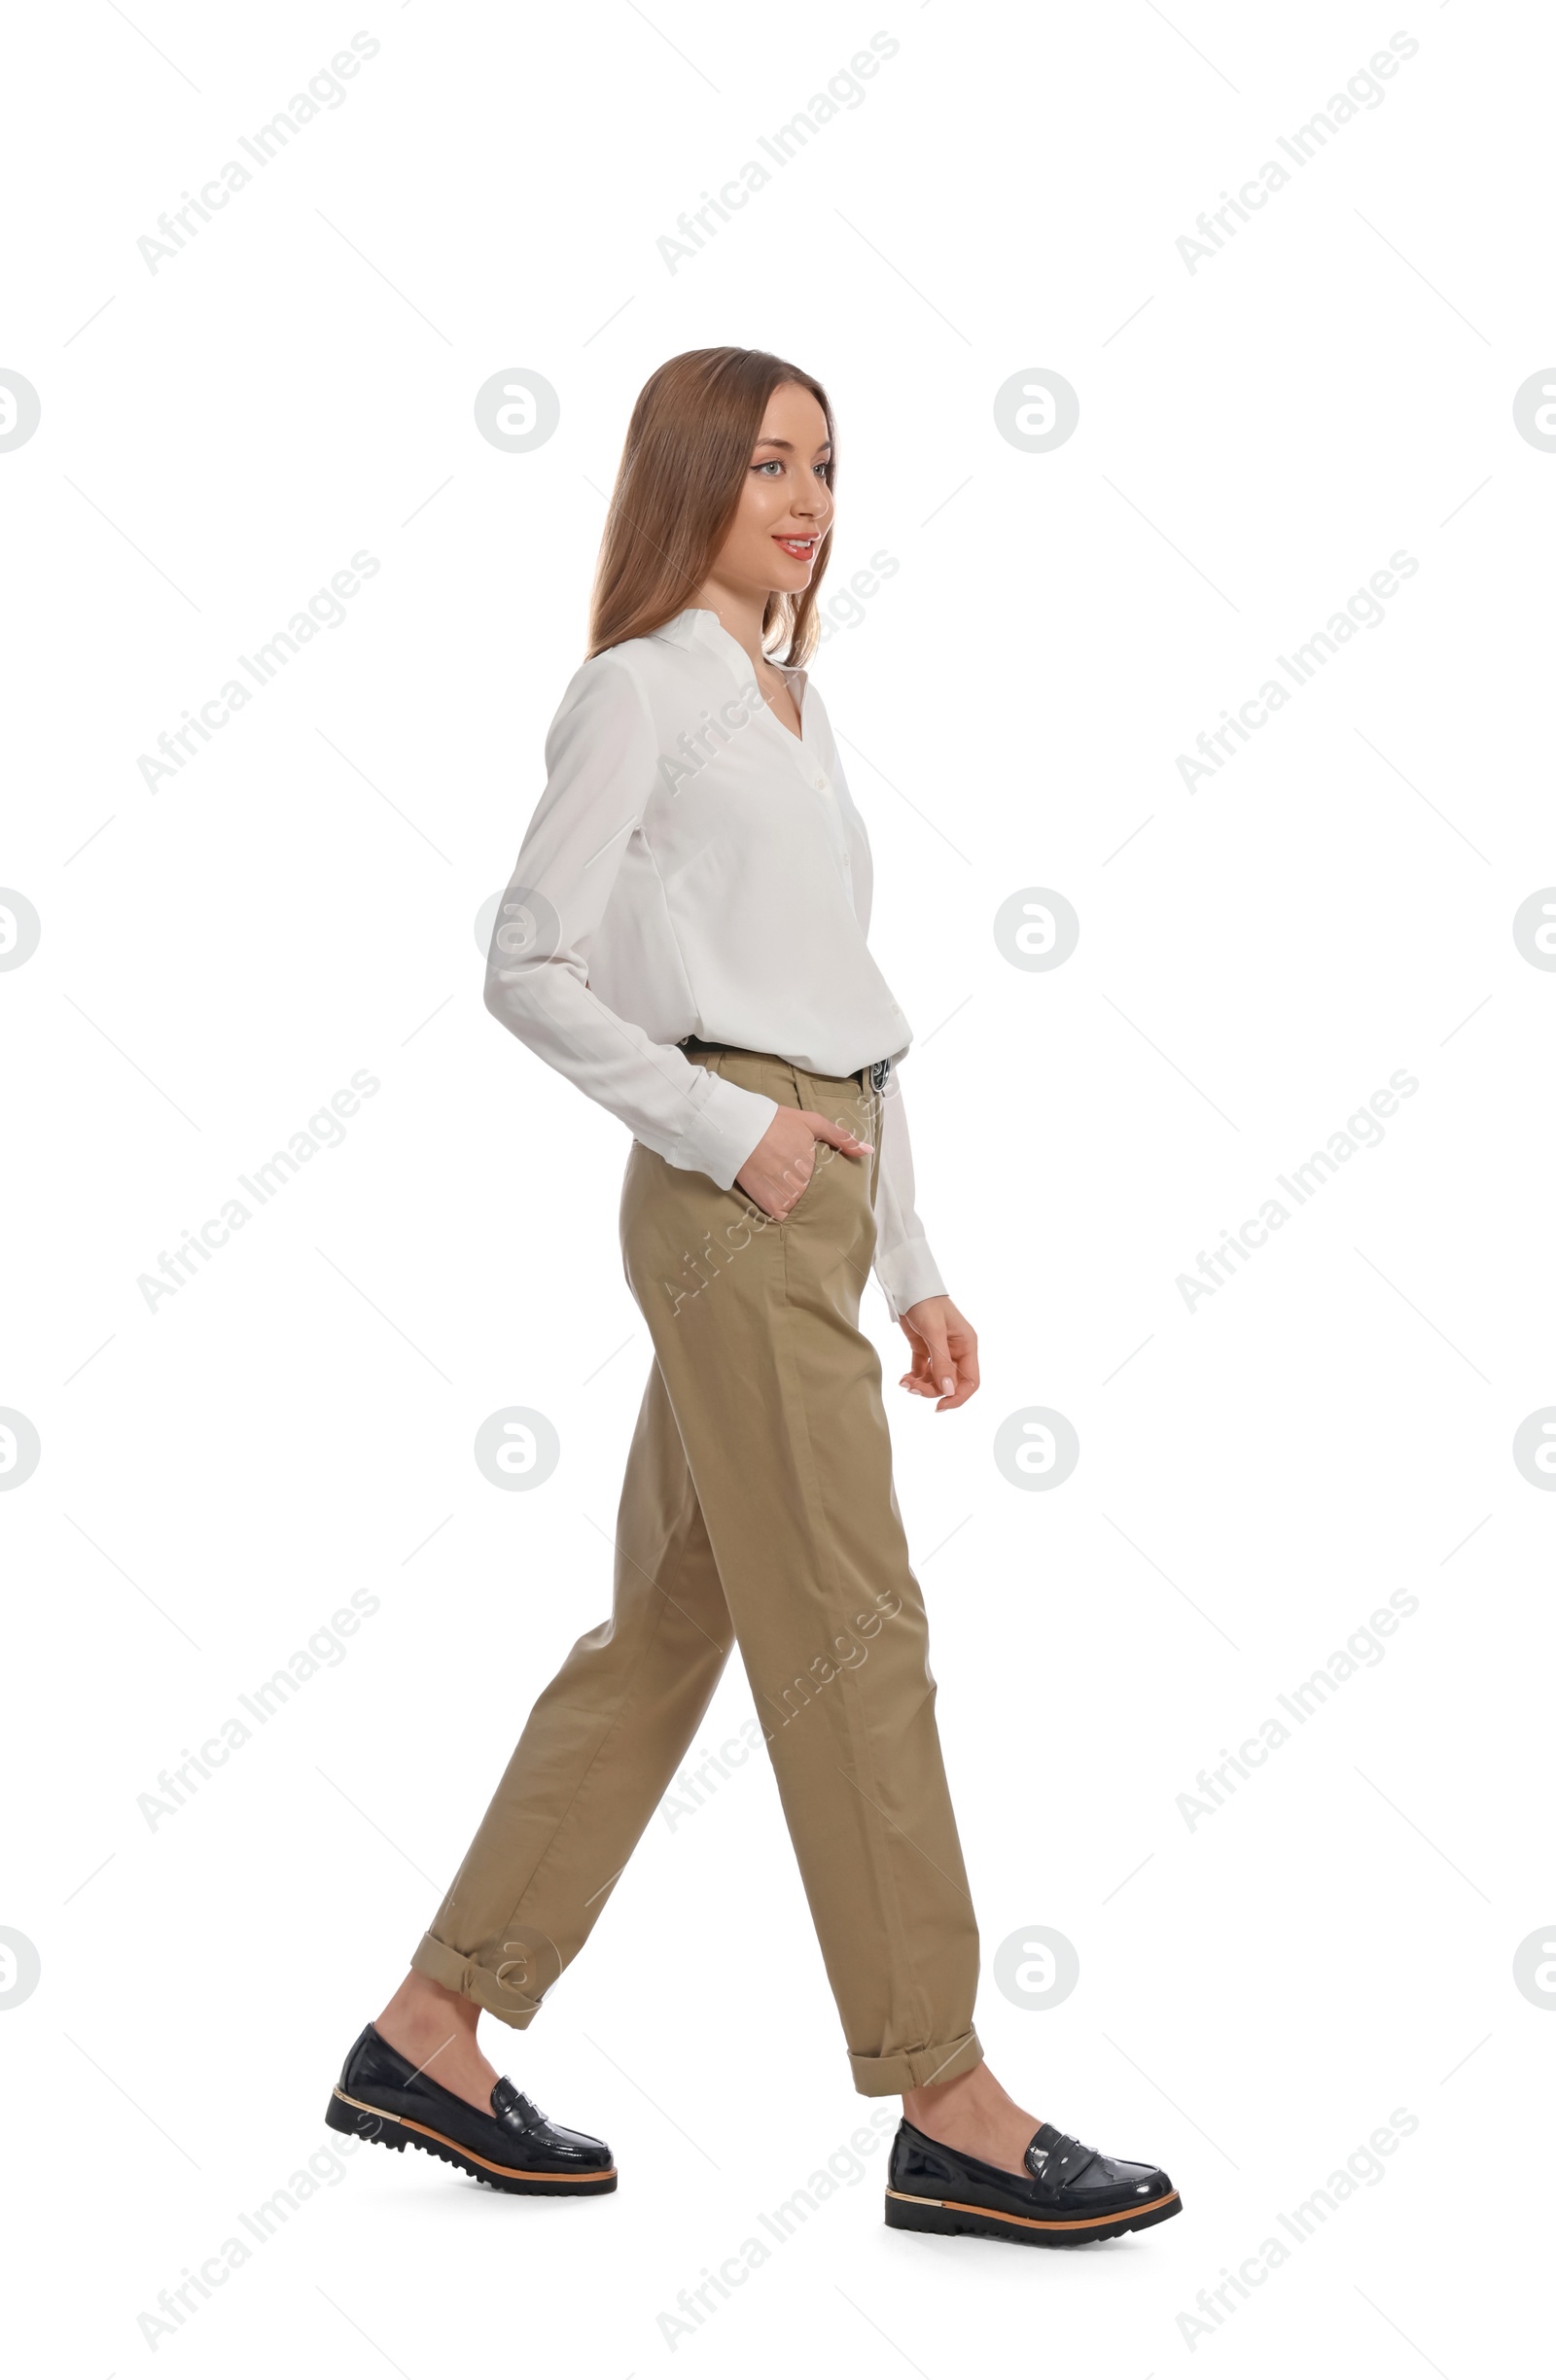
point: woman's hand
(784, 1159)
(945, 1353)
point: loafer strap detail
(1056, 2160)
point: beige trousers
(758, 1509)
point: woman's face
(785, 506)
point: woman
(684, 937)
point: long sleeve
(601, 769)
(904, 1266)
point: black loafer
(381, 2096)
(1067, 2194)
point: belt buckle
(879, 1072)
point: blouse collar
(696, 625)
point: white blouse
(694, 868)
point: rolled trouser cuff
(457, 1971)
(878, 2077)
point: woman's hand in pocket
(784, 1159)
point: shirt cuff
(909, 1272)
(723, 1132)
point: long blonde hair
(677, 492)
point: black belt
(876, 1074)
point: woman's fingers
(945, 1354)
(941, 1370)
(780, 1167)
(838, 1136)
(963, 1348)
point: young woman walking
(685, 938)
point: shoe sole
(401, 2132)
(949, 2216)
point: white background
(1258, 1992)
